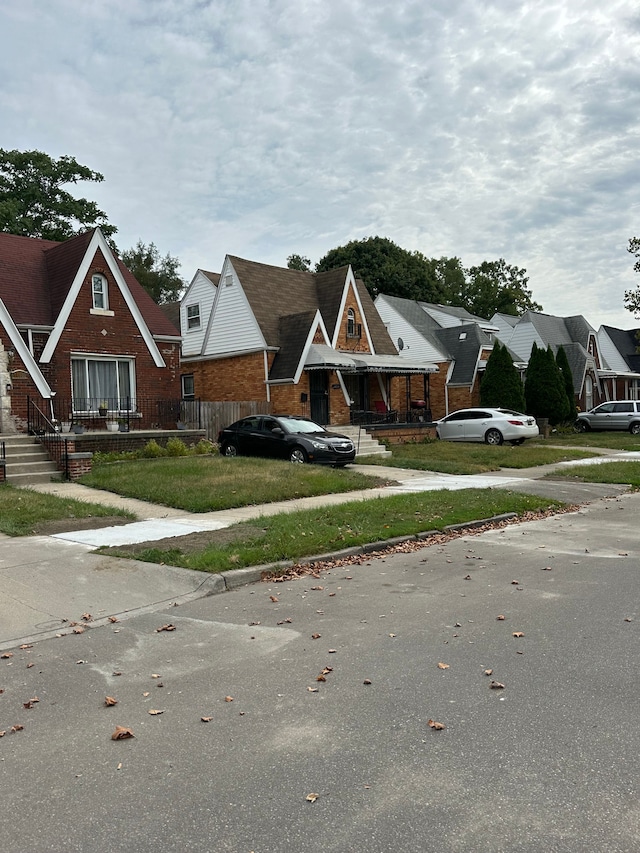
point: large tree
(299, 262)
(497, 287)
(632, 297)
(159, 276)
(386, 268)
(33, 202)
(501, 384)
(490, 287)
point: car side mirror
(278, 431)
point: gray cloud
(266, 127)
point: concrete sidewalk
(48, 583)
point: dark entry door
(319, 396)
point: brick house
(77, 330)
(458, 342)
(308, 343)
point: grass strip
(21, 510)
(325, 529)
(449, 457)
(208, 483)
(627, 473)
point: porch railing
(128, 413)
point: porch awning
(323, 357)
(368, 363)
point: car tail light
(516, 423)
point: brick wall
(237, 378)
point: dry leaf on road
(434, 725)
(109, 701)
(122, 733)
(443, 665)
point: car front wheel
(581, 426)
(634, 429)
(298, 456)
(229, 450)
(493, 436)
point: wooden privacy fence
(212, 417)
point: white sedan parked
(493, 426)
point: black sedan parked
(287, 437)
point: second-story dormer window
(193, 316)
(100, 293)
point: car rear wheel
(581, 426)
(298, 456)
(634, 429)
(493, 436)
(229, 450)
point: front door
(319, 396)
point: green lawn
(325, 529)
(452, 457)
(207, 483)
(21, 510)
(605, 472)
(615, 440)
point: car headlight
(318, 445)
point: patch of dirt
(66, 525)
(192, 541)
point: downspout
(266, 375)
(446, 388)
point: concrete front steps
(27, 461)
(365, 445)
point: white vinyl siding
(201, 292)
(610, 354)
(233, 327)
(415, 345)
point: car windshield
(300, 425)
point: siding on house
(415, 344)
(201, 292)
(233, 327)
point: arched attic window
(353, 330)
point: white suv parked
(619, 414)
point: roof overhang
(367, 363)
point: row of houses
(79, 335)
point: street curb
(235, 578)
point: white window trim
(197, 327)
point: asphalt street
(238, 746)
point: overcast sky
(263, 128)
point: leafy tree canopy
(384, 267)
(299, 262)
(497, 287)
(632, 297)
(159, 276)
(492, 286)
(33, 202)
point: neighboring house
(76, 330)
(620, 350)
(307, 343)
(457, 341)
(575, 334)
